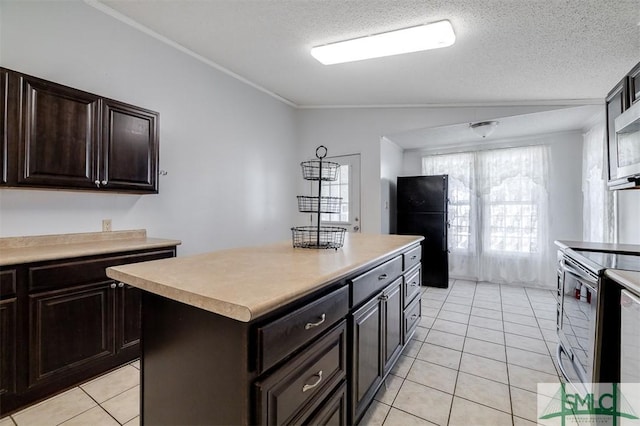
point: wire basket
(320, 170)
(327, 204)
(328, 237)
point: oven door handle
(588, 281)
(563, 371)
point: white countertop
(629, 279)
(245, 283)
(18, 250)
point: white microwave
(624, 150)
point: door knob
(356, 228)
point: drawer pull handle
(414, 316)
(414, 257)
(382, 277)
(414, 283)
(315, 324)
(307, 387)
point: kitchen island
(273, 334)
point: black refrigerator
(421, 209)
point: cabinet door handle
(307, 387)
(315, 324)
(120, 285)
(113, 285)
(383, 297)
(382, 277)
(97, 182)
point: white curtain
(599, 215)
(463, 203)
(500, 198)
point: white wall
(629, 216)
(390, 169)
(229, 150)
(358, 130)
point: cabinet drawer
(82, 271)
(412, 257)
(365, 285)
(411, 285)
(283, 395)
(332, 412)
(411, 318)
(283, 336)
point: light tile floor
(475, 359)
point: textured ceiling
(508, 129)
(506, 52)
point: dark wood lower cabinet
(8, 346)
(318, 360)
(333, 411)
(393, 323)
(367, 360)
(69, 329)
(377, 342)
(128, 317)
(63, 322)
(8, 331)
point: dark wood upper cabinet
(59, 137)
(58, 134)
(634, 85)
(616, 103)
(129, 146)
(4, 100)
(622, 108)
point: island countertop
(246, 283)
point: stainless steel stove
(579, 315)
(598, 261)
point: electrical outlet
(106, 225)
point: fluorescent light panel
(414, 39)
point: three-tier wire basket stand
(319, 236)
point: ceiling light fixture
(413, 39)
(483, 128)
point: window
(498, 212)
(460, 169)
(511, 178)
(347, 186)
(338, 188)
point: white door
(346, 186)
